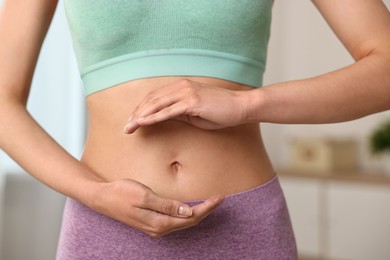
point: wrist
(89, 192)
(253, 103)
(92, 194)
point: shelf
(366, 177)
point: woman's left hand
(199, 104)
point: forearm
(29, 145)
(346, 94)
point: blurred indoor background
(337, 191)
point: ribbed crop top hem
(172, 62)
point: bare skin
(174, 159)
(187, 138)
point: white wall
(302, 45)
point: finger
(158, 224)
(162, 115)
(149, 106)
(169, 91)
(167, 206)
(166, 113)
(198, 122)
(156, 102)
(200, 211)
(178, 89)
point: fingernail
(126, 130)
(185, 211)
(128, 127)
(141, 119)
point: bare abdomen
(173, 158)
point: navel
(176, 166)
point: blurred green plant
(380, 139)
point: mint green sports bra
(121, 40)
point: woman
(191, 137)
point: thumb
(169, 207)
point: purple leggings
(252, 224)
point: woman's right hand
(136, 205)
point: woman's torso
(174, 159)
